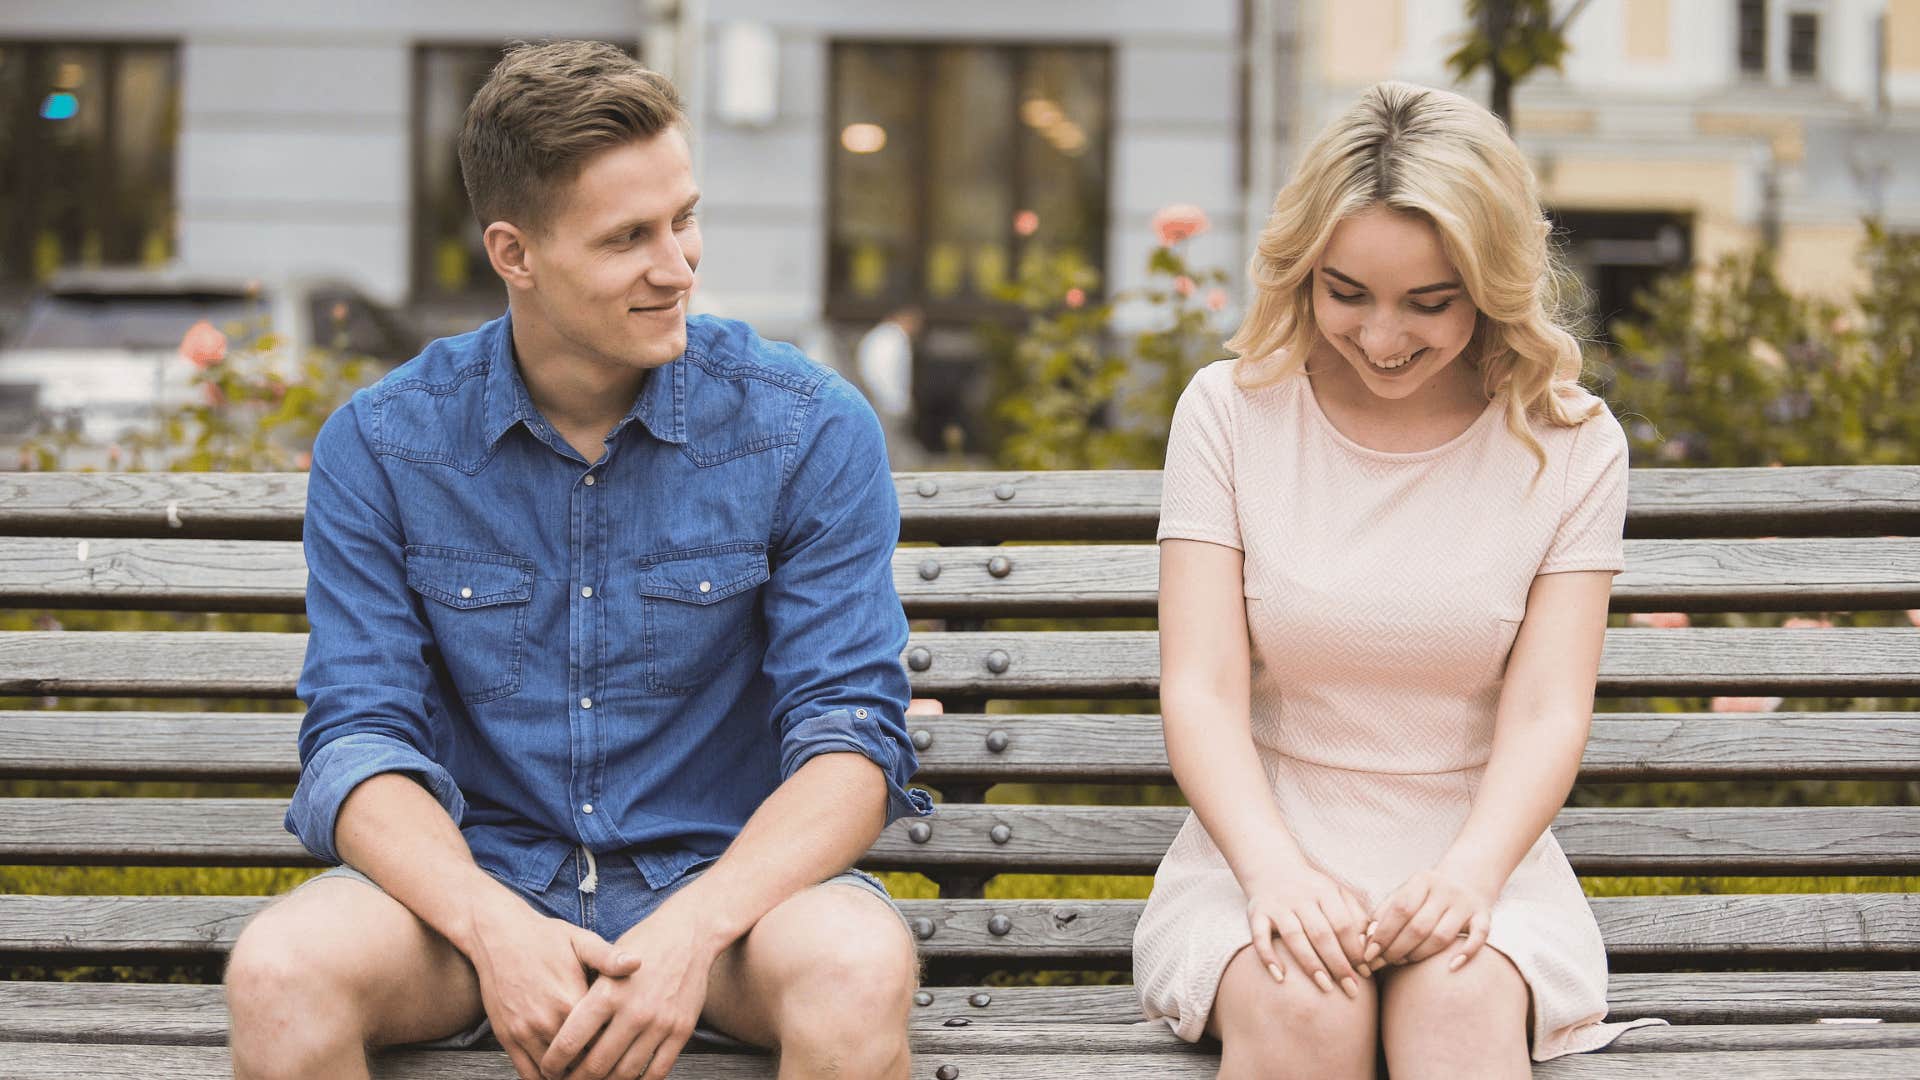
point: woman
(1389, 532)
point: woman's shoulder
(1596, 433)
(1236, 380)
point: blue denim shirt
(627, 655)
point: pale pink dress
(1383, 592)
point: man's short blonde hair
(543, 113)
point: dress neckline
(1326, 424)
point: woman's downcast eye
(1355, 298)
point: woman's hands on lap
(1432, 911)
(1319, 923)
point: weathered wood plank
(1684, 929)
(1726, 1002)
(959, 747)
(1010, 838)
(58, 1061)
(1080, 580)
(977, 506)
(1856, 661)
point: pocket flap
(703, 576)
(468, 579)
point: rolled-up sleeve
(373, 703)
(835, 627)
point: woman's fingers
(1477, 929)
(1354, 935)
(1294, 936)
(1263, 931)
(1446, 935)
(1417, 929)
(1326, 943)
(1390, 918)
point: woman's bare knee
(1290, 1028)
(1439, 1023)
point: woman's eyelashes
(1356, 298)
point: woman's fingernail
(1373, 951)
(1352, 988)
(1278, 975)
(1457, 961)
(1371, 927)
(1323, 981)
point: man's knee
(846, 984)
(290, 1013)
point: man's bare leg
(826, 979)
(334, 968)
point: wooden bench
(1743, 978)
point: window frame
(841, 308)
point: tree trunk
(1497, 16)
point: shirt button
(589, 481)
(706, 586)
(586, 808)
(466, 594)
(586, 703)
(860, 714)
(587, 591)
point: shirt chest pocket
(698, 611)
(476, 605)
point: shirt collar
(660, 406)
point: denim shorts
(620, 899)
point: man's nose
(671, 270)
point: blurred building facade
(858, 158)
(1681, 130)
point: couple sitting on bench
(604, 694)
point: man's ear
(507, 251)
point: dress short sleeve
(1196, 498)
(1595, 514)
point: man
(604, 673)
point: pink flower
(925, 706)
(1798, 623)
(214, 396)
(204, 345)
(1026, 223)
(1179, 222)
(1745, 704)
(1183, 285)
(1665, 620)
(1076, 297)
(1216, 299)
(1913, 616)
(303, 460)
(114, 454)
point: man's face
(614, 265)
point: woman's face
(1389, 302)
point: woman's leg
(1271, 1030)
(1469, 1024)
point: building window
(951, 162)
(1803, 45)
(449, 261)
(1752, 32)
(1621, 255)
(87, 134)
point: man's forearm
(393, 831)
(825, 816)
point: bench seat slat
(985, 506)
(1083, 580)
(1685, 929)
(197, 1015)
(1849, 661)
(1057, 839)
(1104, 747)
(1111, 1057)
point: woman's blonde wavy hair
(1436, 154)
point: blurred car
(96, 356)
